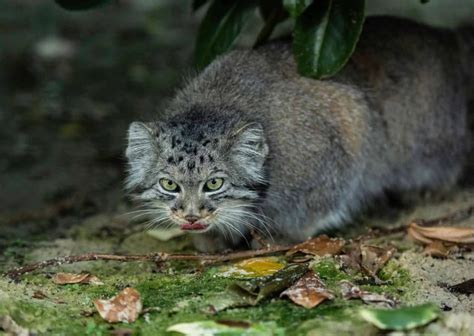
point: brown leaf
(125, 307)
(320, 246)
(236, 324)
(351, 291)
(436, 249)
(366, 258)
(121, 332)
(455, 235)
(39, 295)
(309, 291)
(72, 278)
(373, 258)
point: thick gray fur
(301, 155)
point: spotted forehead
(192, 153)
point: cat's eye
(213, 184)
(169, 185)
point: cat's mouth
(194, 226)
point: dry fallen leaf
(39, 295)
(351, 291)
(320, 246)
(368, 258)
(436, 249)
(125, 307)
(72, 278)
(373, 258)
(309, 291)
(455, 235)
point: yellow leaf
(254, 267)
(260, 266)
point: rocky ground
(69, 85)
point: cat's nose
(191, 218)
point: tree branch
(453, 217)
(154, 257)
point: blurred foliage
(325, 31)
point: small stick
(456, 216)
(155, 257)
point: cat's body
(302, 155)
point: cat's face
(199, 176)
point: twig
(456, 216)
(155, 257)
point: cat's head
(197, 174)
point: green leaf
(80, 4)
(401, 319)
(296, 7)
(220, 27)
(212, 328)
(325, 36)
(198, 4)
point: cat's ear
(142, 151)
(249, 150)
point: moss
(179, 297)
(329, 271)
(180, 294)
(397, 280)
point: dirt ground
(69, 85)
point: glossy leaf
(405, 318)
(296, 7)
(213, 328)
(325, 36)
(220, 27)
(80, 4)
